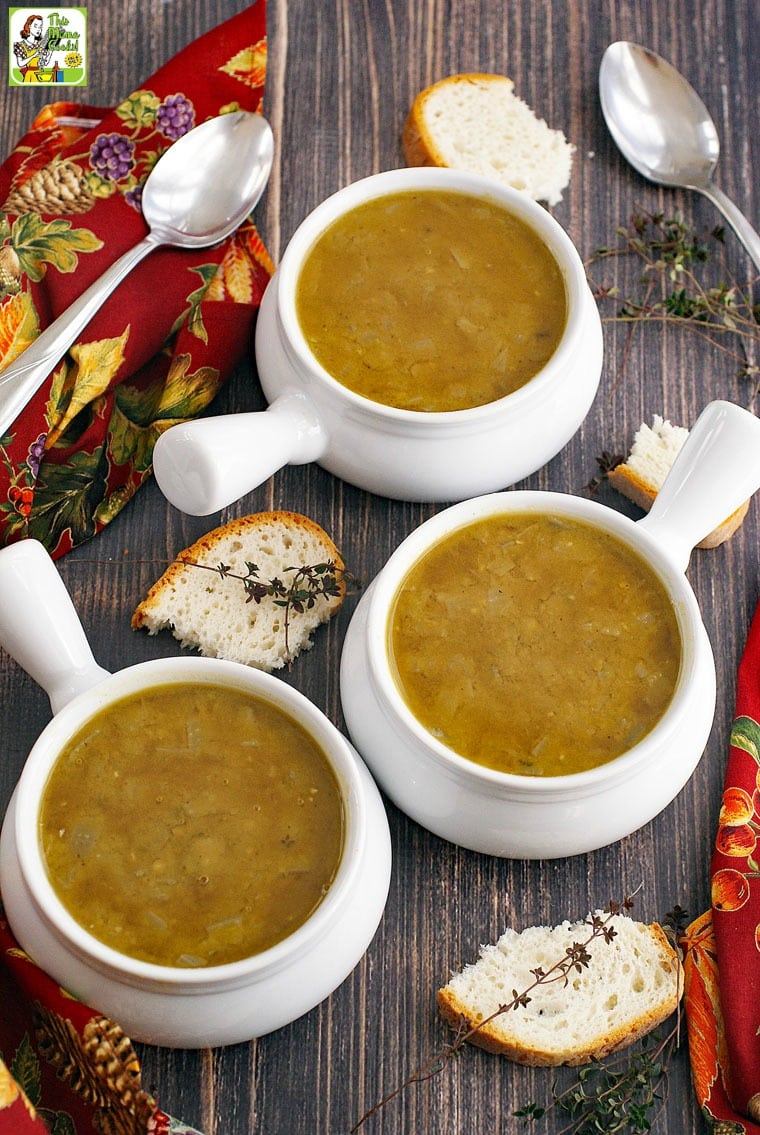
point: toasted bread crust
(417, 141)
(499, 1034)
(475, 122)
(206, 612)
(204, 550)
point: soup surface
(191, 825)
(431, 301)
(534, 644)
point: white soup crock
(532, 817)
(164, 1005)
(204, 465)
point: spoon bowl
(183, 208)
(179, 204)
(664, 130)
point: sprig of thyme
(673, 290)
(575, 959)
(307, 584)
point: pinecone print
(10, 271)
(58, 188)
(101, 1067)
(110, 1052)
(61, 1045)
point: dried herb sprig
(620, 1094)
(673, 288)
(575, 959)
(307, 583)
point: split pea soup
(534, 644)
(431, 300)
(191, 824)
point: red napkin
(155, 354)
(722, 948)
(64, 1067)
(161, 347)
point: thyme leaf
(615, 1095)
(606, 462)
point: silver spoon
(662, 127)
(199, 191)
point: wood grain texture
(342, 74)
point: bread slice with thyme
(476, 122)
(630, 985)
(201, 600)
(640, 477)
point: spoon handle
(20, 381)
(736, 219)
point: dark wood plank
(342, 74)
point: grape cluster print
(175, 116)
(112, 156)
(133, 197)
(36, 450)
(21, 491)
(120, 161)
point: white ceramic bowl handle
(39, 626)
(717, 470)
(204, 465)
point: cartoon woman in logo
(32, 51)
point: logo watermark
(47, 45)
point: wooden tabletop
(342, 74)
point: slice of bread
(640, 477)
(476, 123)
(632, 984)
(206, 611)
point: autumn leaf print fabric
(159, 350)
(64, 1068)
(722, 947)
(69, 206)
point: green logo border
(70, 76)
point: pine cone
(58, 188)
